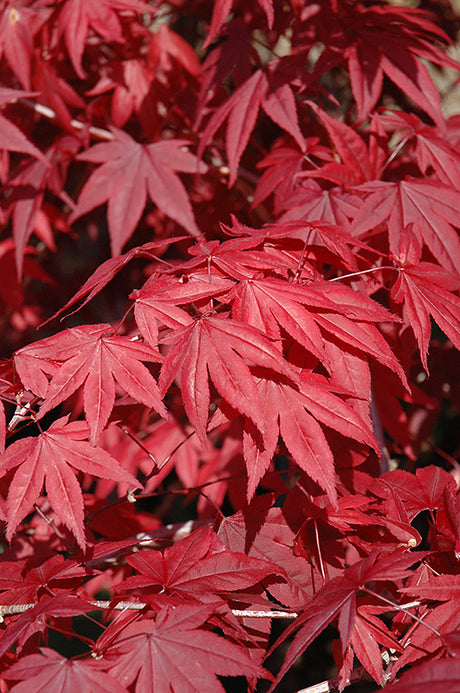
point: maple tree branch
(12, 609)
(77, 124)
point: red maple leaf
(268, 89)
(338, 597)
(377, 41)
(21, 584)
(310, 202)
(158, 302)
(152, 171)
(426, 290)
(76, 17)
(219, 345)
(34, 620)
(18, 26)
(51, 671)
(293, 412)
(432, 150)
(197, 567)
(49, 458)
(261, 531)
(91, 355)
(431, 208)
(173, 652)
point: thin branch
(11, 609)
(77, 124)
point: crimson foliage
(251, 208)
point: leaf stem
(367, 271)
(399, 607)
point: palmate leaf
(76, 17)
(194, 569)
(173, 653)
(267, 89)
(34, 620)
(49, 459)
(424, 291)
(383, 40)
(51, 671)
(220, 346)
(338, 596)
(152, 172)
(92, 356)
(294, 412)
(159, 299)
(431, 207)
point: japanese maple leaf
(261, 531)
(91, 355)
(431, 148)
(423, 290)
(269, 304)
(431, 207)
(310, 202)
(20, 584)
(18, 26)
(76, 17)
(422, 491)
(338, 597)
(377, 41)
(294, 412)
(220, 346)
(268, 89)
(426, 640)
(222, 9)
(34, 620)
(195, 569)
(174, 653)
(157, 302)
(51, 671)
(49, 458)
(333, 312)
(129, 172)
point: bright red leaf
(50, 670)
(219, 346)
(49, 459)
(96, 358)
(174, 653)
(152, 172)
